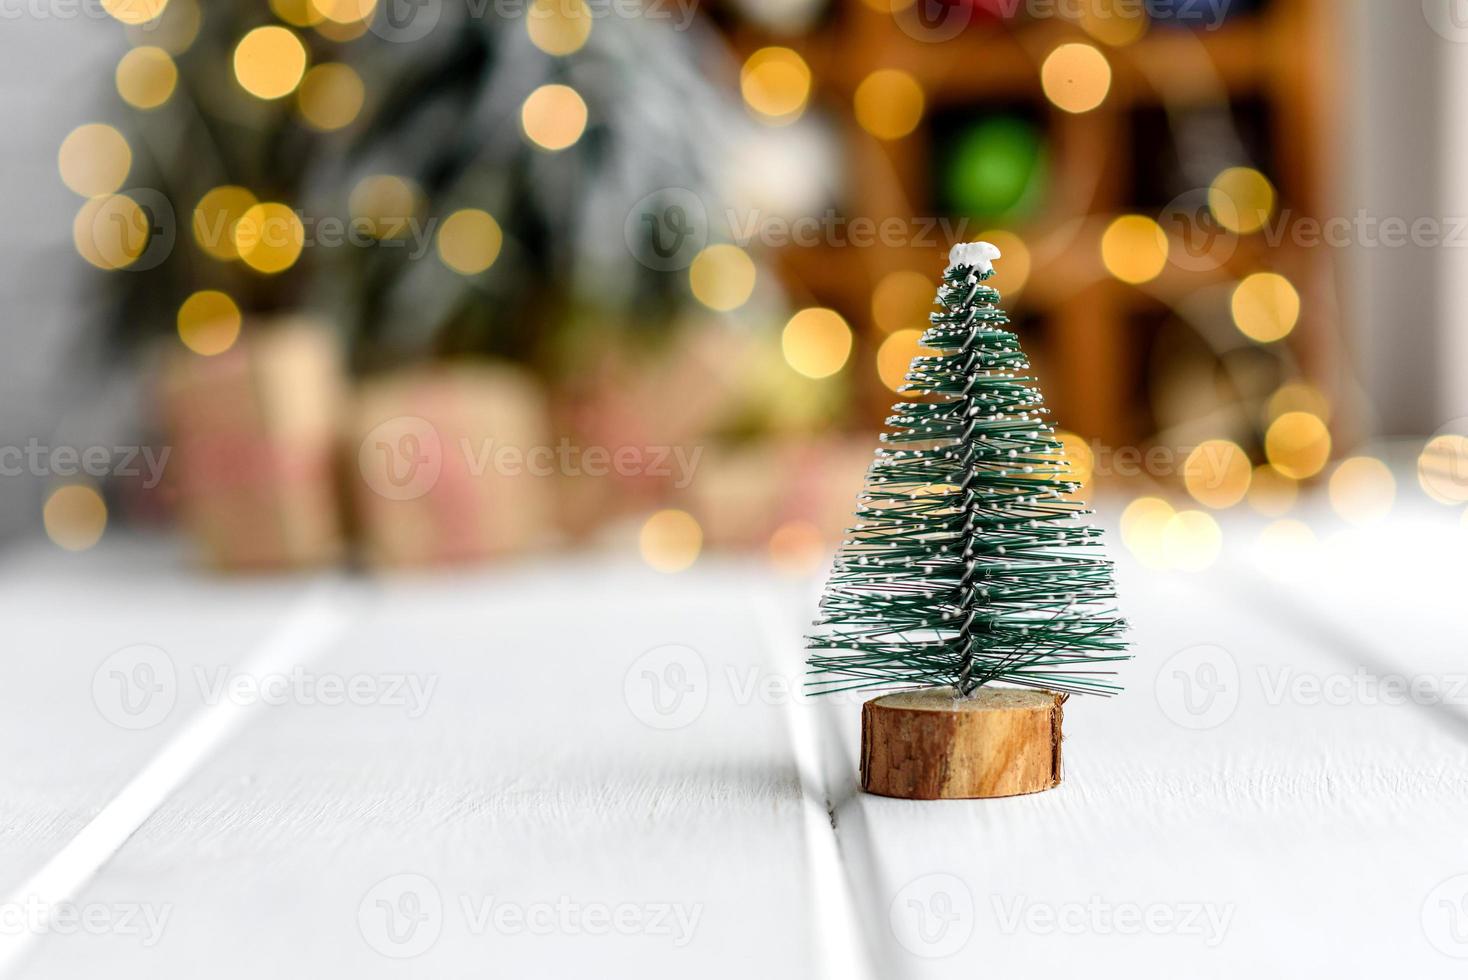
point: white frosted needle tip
(979, 256)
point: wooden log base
(930, 745)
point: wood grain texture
(931, 745)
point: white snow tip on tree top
(978, 255)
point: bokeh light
(269, 62)
(1142, 525)
(670, 541)
(215, 217)
(1134, 249)
(388, 205)
(889, 103)
(330, 96)
(94, 159)
(1298, 444)
(558, 27)
(1241, 199)
(1297, 396)
(1362, 490)
(269, 237)
(816, 342)
(1191, 541)
(297, 13)
(1271, 493)
(1079, 457)
(134, 11)
(146, 77)
(1011, 274)
(209, 322)
(797, 548)
(1217, 473)
(469, 241)
(174, 31)
(775, 83)
(1076, 77)
(902, 301)
(345, 12)
(1442, 469)
(895, 356)
(998, 168)
(110, 231)
(1265, 307)
(722, 277)
(553, 117)
(1114, 22)
(74, 517)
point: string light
(388, 204)
(1298, 444)
(1134, 249)
(1217, 474)
(1076, 77)
(816, 342)
(345, 12)
(75, 516)
(330, 96)
(297, 13)
(670, 541)
(94, 159)
(775, 83)
(1362, 490)
(553, 117)
(174, 31)
(269, 62)
(134, 12)
(895, 356)
(889, 103)
(215, 218)
(469, 241)
(1298, 396)
(1011, 275)
(1241, 199)
(558, 27)
(146, 77)
(110, 231)
(1265, 307)
(209, 322)
(269, 237)
(722, 277)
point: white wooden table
(602, 771)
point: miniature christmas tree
(967, 567)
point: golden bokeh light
(1134, 249)
(1142, 524)
(1442, 469)
(469, 241)
(1191, 541)
(146, 77)
(1298, 396)
(1298, 444)
(388, 204)
(269, 62)
(553, 117)
(895, 356)
(1114, 22)
(1217, 474)
(330, 96)
(345, 12)
(1013, 271)
(1076, 77)
(110, 231)
(134, 11)
(1241, 199)
(775, 83)
(174, 31)
(269, 237)
(209, 322)
(297, 13)
(816, 342)
(1271, 493)
(902, 301)
(1362, 490)
(722, 277)
(889, 103)
(74, 517)
(215, 217)
(94, 159)
(1079, 456)
(797, 548)
(558, 27)
(670, 540)
(1265, 307)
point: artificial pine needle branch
(968, 564)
